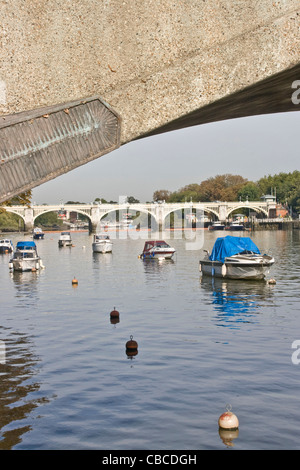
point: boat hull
(62, 243)
(102, 247)
(5, 249)
(158, 255)
(227, 270)
(214, 228)
(26, 264)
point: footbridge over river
(80, 78)
(159, 212)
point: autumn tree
(161, 195)
(23, 199)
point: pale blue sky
(251, 147)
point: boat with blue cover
(236, 258)
(25, 257)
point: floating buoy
(228, 420)
(271, 281)
(74, 282)
(131, 347)
(33, 270)
(114, 314)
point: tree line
(228, 187)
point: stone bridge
(79, 79)
(159, 212)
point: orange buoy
(74, 282)
(228, 420)
(131, 345)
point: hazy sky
(251, 147)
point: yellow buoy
(271, 281)
(228, 420)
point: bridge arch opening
(246, 210)
(11, 221)
(127, 218)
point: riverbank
(269, 224)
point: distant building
(271, 201)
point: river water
(68, 383)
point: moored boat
(236, 258)
(25, 257)
(38, 233)
(65, 239)
(6, 245)
(102, 244)
(236, 226)
(157, 249)
(216, 226)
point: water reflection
(102, 258)
(156, 270)
(236, 302)
(228, 436)
(26, 286)
(16, 387)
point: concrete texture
(160, 64)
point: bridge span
(79, 79)
(159, 212)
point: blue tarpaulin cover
(229, 246)
(25, 245)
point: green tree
(251, 191)
(132, 200)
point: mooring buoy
(131, 347)
(114, 316)
(228, 420)
(74, 282)
(114, 313)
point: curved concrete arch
(132, 208)
(79, 211)
(10, 209)
(212, 212)
(248, 206)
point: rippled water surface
(67, 382)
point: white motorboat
(25, 257)
(6, 246)
(102, 244)
(65, 239)
(236, 226)
(216, 226)
(236, 258)
(157, 249)
(38, 233)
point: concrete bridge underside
(79, 79)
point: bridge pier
(223, 212)
(28, 219)
(94, 219)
